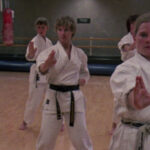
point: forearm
(84, 72)
(127, 47)
(84, 76)
(29, 56)
(31, 50)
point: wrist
(146, 100)
(43, 69)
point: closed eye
(143, 34)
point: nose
(62, 31)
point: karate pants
(36, 95)
(50, 129)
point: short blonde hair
(66, 21)
(141, 19)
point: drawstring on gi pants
(37, 79)
(72, 109)
(58, 108)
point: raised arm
(31, 51)
(49, 62)
(139, 97)
(128, 47)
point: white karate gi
(65, 72)
(122, 81)
(36, 88)
(127, 39)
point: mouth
(63, 38)
(147, 47)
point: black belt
(141, 132)
(37, 79)
(62, 88)
(135, 124)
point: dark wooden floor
(13, 95)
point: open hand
(141, 95)
(32, 50)
(51, 60)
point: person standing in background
(37, 82)
(126, 44)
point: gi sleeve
(84, 72)
(42, 57)
(36, 45)
(122, 82)
(127, 39)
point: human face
(41, 29)
(64, 35)
(142, 40)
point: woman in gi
(66, 68)
(130, 85)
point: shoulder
(123, 78)
(80, 52)
(47, 39)
(127, 68)
(36, 37)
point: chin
(63, 41)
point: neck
(67, 46)
(44, 37)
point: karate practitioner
(130, 84)
(66, 68)
(37, 82)
(127, 48)
(126, 44)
